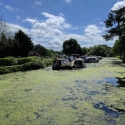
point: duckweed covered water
(90, 96)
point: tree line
(21, 44)
(71, 46)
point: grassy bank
(11, 64)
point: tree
(24, 44)
(40, 49)
(116, 27)
(84, 50)
(6, 46)
(3, 28)
(100, 50)
(117, 49)
(71, 46)
(115, 24)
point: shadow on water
(121, 82)
(107, 110)
(118, 82)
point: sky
(51, 22)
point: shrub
(4, 70)
(32, 65)
(8, 61)
(24, 60)
(15, 68)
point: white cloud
(32, 21)
(101, 23)
(92, 29)
(10, 8)
(38, 3)
(14, 28)
(18, 17)
(55, 21)
(68, 1)
(118, 5)
(51, 33)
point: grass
(46, 97)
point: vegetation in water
(67, 97)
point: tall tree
(24, 44)
(114, 23)
(116, 27)
(71, 46)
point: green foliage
(4, 70)
(32, 65)
(24, 44)
(8, 61)
(115, 24)
(71, 46)
(84, 50)
(117, 48)
(29, 63)
(100, 50)
(24, 60)
(41, 50)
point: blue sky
(51, 22)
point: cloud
(14, 28)
(38, 3)
(101, 23)
(55, 21)
(32, 21)
(118, 5)
(52, 32)
(68, 1)
(9, 8)
(18, 17)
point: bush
(15, 68)
(32, 65)
(8, 61)
(4, 70)
(24, 60)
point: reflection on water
(112, 81)
(118, 82)
(107, 110)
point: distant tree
(51, 53)
(40, 49)
(84, 50)
(24, 44)
(117, 49)
(100, 50)
(71, 46)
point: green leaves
(71, 46)
(114, 23)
